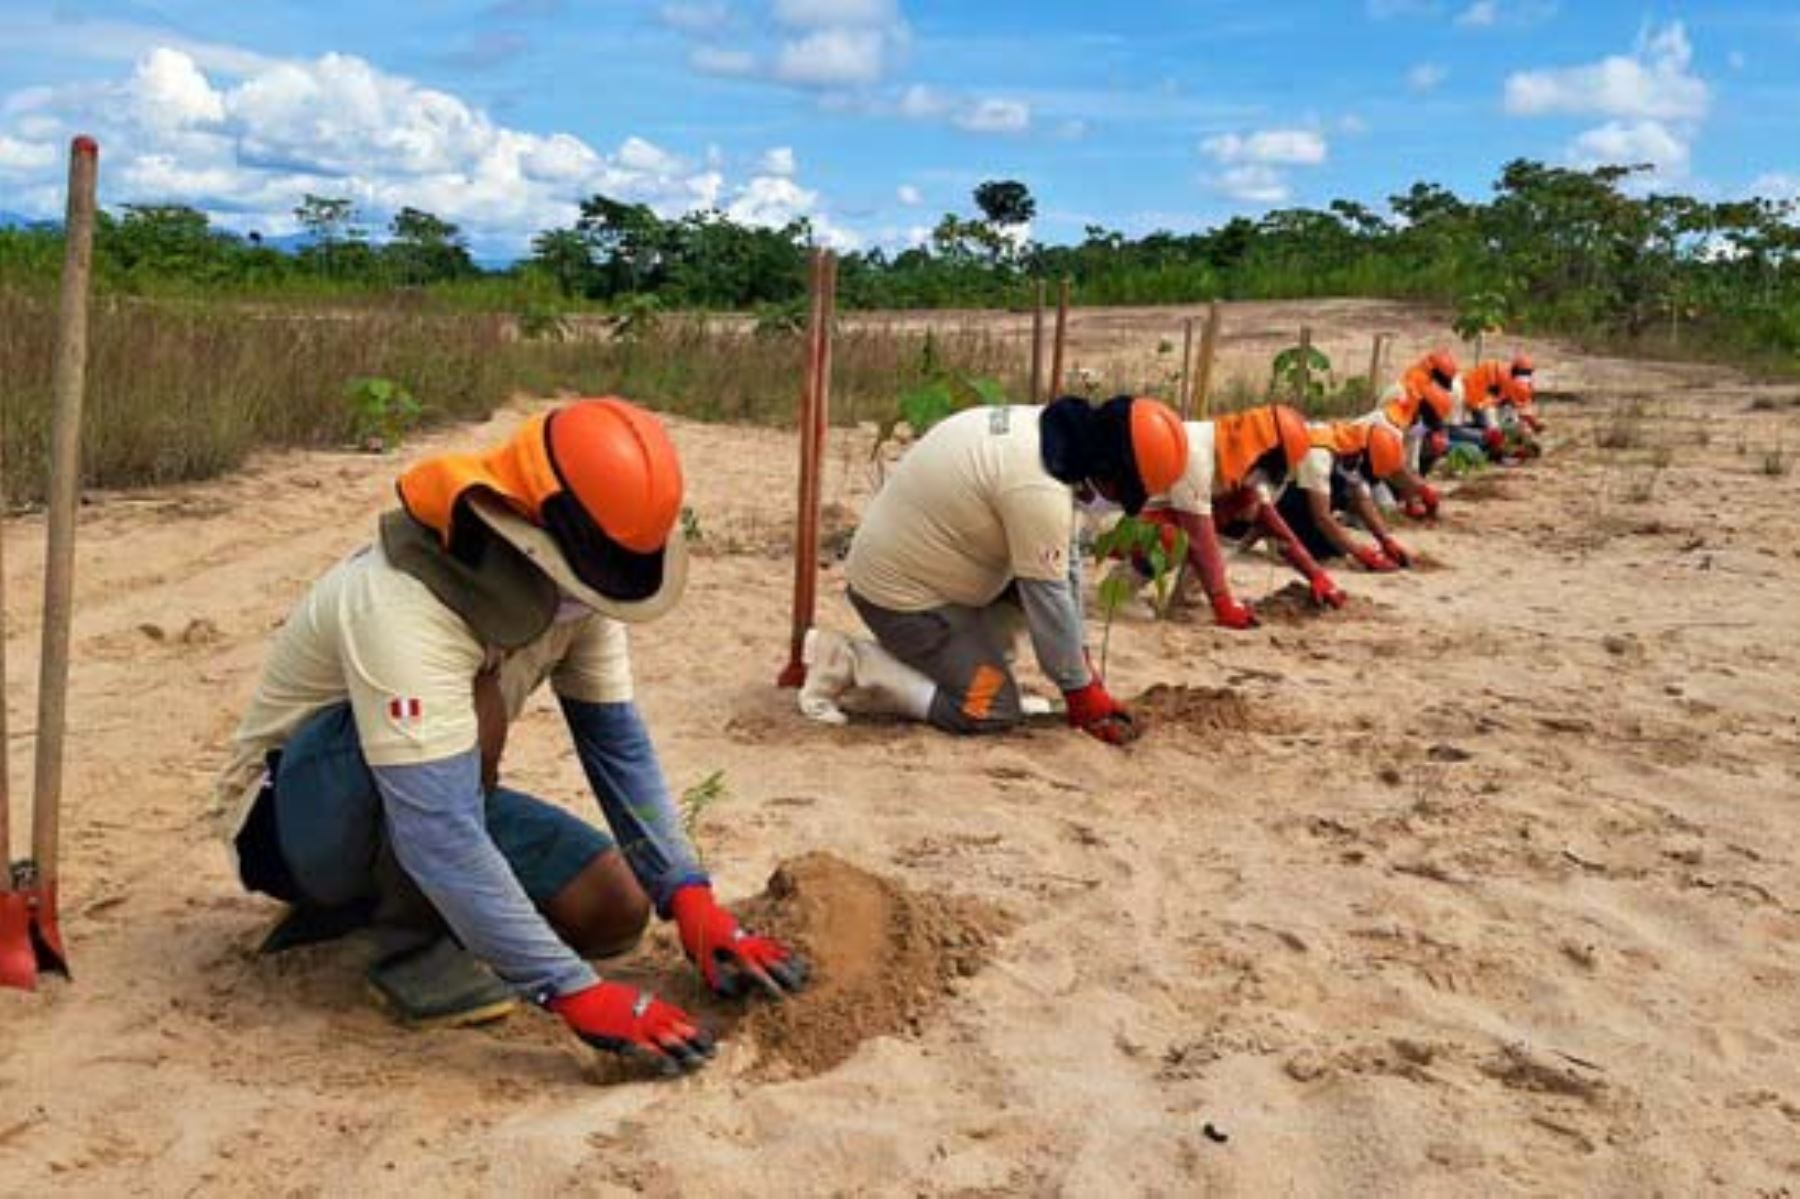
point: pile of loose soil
(883, 959)
(1197, 710)
(1483, 488)
(1293, 605)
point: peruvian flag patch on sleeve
(406, 712)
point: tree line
(1555, 249)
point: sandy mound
(1293, 605)
(883, 957)
(1198, 710)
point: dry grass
(187, 391)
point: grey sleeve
(622, 767)
(435, 817)
(1053, 614)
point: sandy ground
(1487, 884)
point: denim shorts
(317, 828)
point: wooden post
(1184, 395)
(5, 762)
(1209, 346)
(815, 418)
(1304, 383)
(1061, 339)
(65, 490)
(1037, 345)
(1375, 365)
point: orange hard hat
(619, 464)
(1441, 365)
(590, 493)
(1387, 451)
(1522, 365)
(1159, 444)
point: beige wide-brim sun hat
(543, 552)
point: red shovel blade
(18, 955)
(30, 940)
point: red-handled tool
(30, 939)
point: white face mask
(1095, 504)
(569, 610)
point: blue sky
(873, 117)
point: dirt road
(1490, 883)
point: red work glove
(1229, 613)
(1325, 593)
(1532, 422)
(1397, 553)
(729, 958)
(1494, 439)
(1437, 444)
(1098, 715)
(1373, 559)
(1423, 503)
(624, 1020)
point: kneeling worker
(1237, 466)
(1338, 475)
(970, 542)
(364, 786)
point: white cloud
(700, 18)
(22, 156)
(1480, 14)
(1426, 77)
(1655, 82)
(906, 193)
(1254, 183)
(1776, 185)
(819, 14)
(1072, 130)
(924, 103)
(995, 116)
(1352, 125)
(246, 149)
(1387, 10)
(844, 57)
(717, 60)
(771, 201)
(780, 162)
(1253, 166)
(1268, 147)
(1653, 100)
(1630, 143)
(169, 90)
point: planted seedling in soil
(382, 413)
(1130, 542)
(697, 800)
(943, 394)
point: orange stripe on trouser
(978, 701)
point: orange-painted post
(814, 420)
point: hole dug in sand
(883, 958)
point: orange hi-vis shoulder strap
(518, 471)
(1478, 384)
(1415, 384)
(1239, 439)
(1342, 438)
